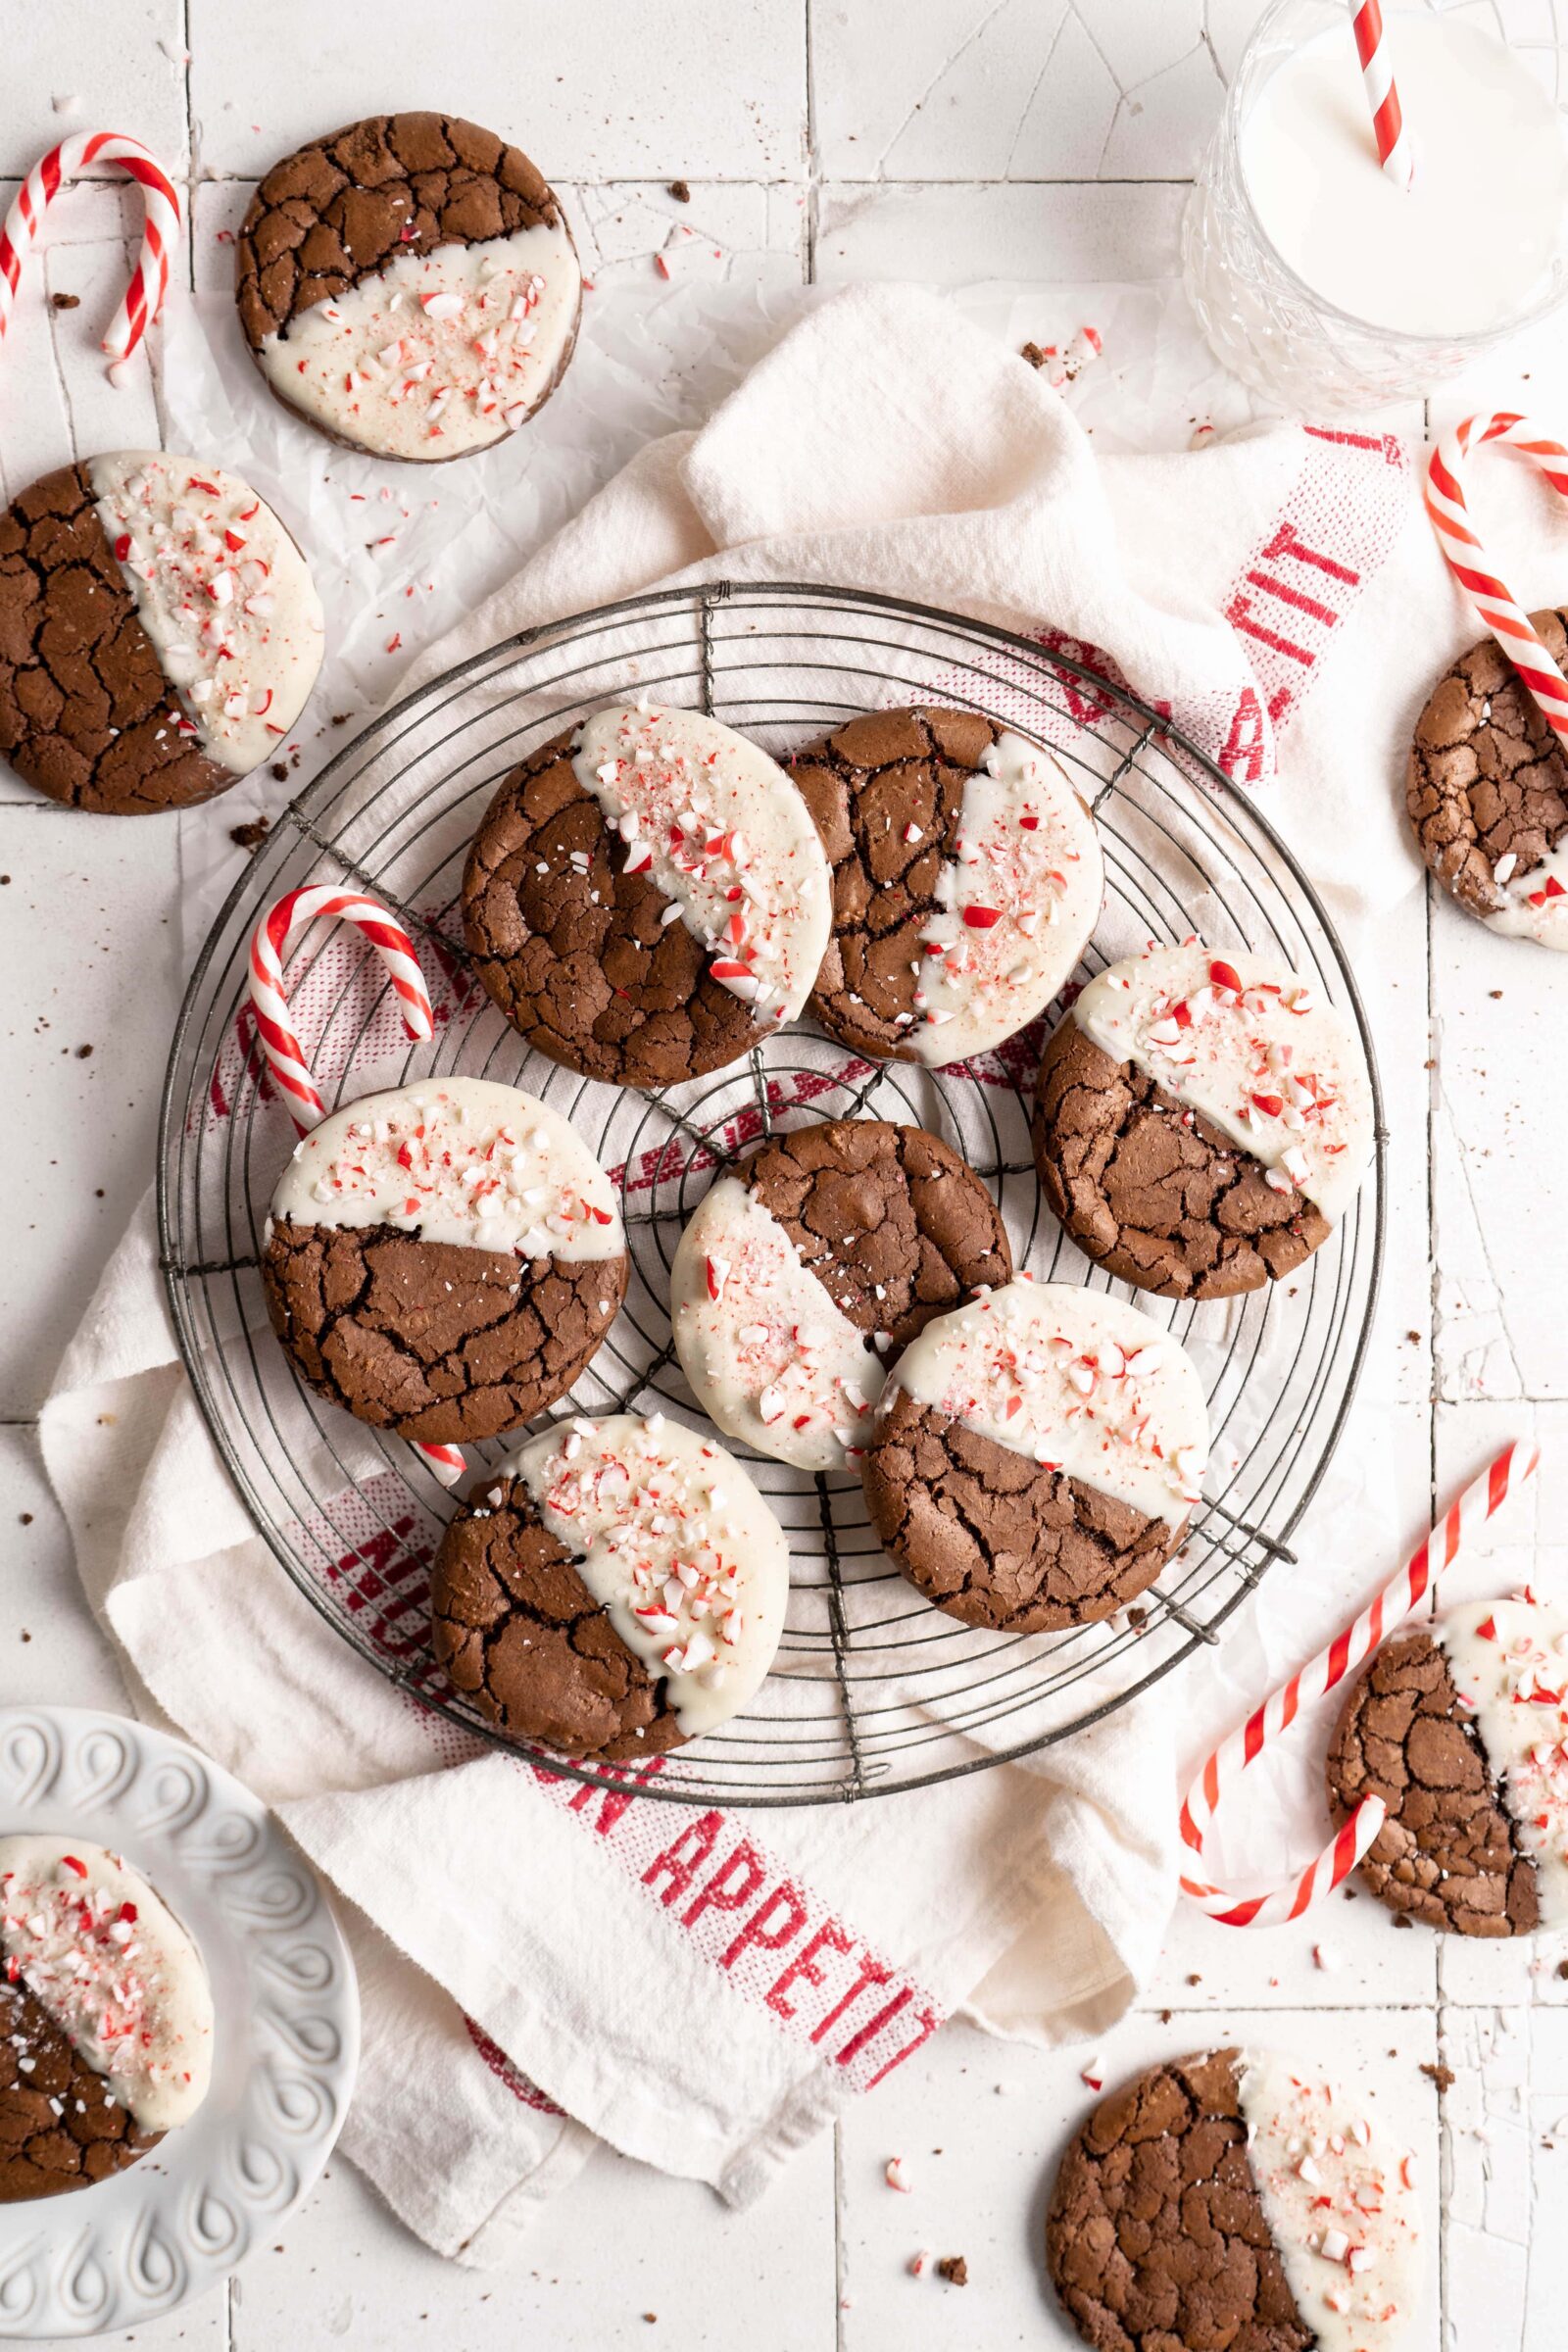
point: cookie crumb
(1164, 2017)
(1195, 1980)
(278, 771)
(1494, 992)
(85, 1053)
(1443, 2076)
(954, 2268)
(680, 191)
(1032, 354)
(66, 302)
(1402, 1919)
(26, 1518)
(250, 837)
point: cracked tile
(739, 233)
(1137, 42)
(1165, 123)
(956, 237)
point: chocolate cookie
(617, 1591)
(443, 1260)
(820, 1248)
(967, 880)
(1458, 1727)
(410, 285)
(159, 633)
(646, 899)
(106, 2018)
(1488, 793)
(1036, 1457)
(1200, 1122)
(1234, 2198)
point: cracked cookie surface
(995, 1539)
(1156, 2238)
(579, 956)
(1151, 1188)
(1488, 780)
(86, 712)
(521, 1634)
(59, 2128)
(891, 1221)
(431, 1339)
(1447, 1853)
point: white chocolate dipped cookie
(616, 1590)
(1312, 2186)
(1037, 1456)
(968, 877)
(106, 2016)
(1202, 1122)
(443, 1260)
(647, 897)
(410, 284)
(824, 1250)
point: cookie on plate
(443, 1260)
(647, 897)
(106, 2018)
(1486, 792)
(1036, 1456)
(816, 1255)
(1201, 1122)
(410, 284)
(1458, 1727)
(159, 632)
(1235, 2197)
(618, 1589)
(967, 879)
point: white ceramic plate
(286, 2042)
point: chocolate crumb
(1164, 2017)
(1443, 2076)
(340, 718)
(1032, 354)
(954, 2268)
(278, 771)
(66, 302)
(1195, 1980)
(26, 1518)
(1402, 1919)
(85, 1053)
(680, 191)
(25, 1635)
(1562, 1968)
(248, 837)
(1494, 992)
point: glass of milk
(1320, 280)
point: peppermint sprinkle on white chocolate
(456, 1160)
(1340, 2202)
(771, 1355)
(719, 828)
(438, 354)
(114, 1970)
(1509, 1662)
(1017, 901)
(1250, 1047)
(675, 1545)
(1075, 1380)
(223, 593)
(1536, 902)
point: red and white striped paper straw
(1348, 1650)
(149, 280)
(1382, 94)
(1469, 562)
(281, 1047)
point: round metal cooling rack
(873, 1689)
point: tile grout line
(813, 161)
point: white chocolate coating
(1514, 1677)
(456, 1160)
(114, 1967)
(221, 591)
(1537, 902)
(772, 1357)
(725, 836)
(1017, 902)
(1339, 2201)
(1074, 1378)
(1272, 1066)
(676, 1545)
(438, 354)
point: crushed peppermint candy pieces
(1509, 1663)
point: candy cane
(1323, 1674)
(1469, 562)
(1394, 152)
(149, 280)
(281, 1047)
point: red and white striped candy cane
(1323, 1674)
(281, 1047)
(1469, 562)
(1394, 152)
(149, 280)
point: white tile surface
(955, 141)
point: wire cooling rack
(873, 1689)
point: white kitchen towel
(703, 1988)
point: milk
(1470, 244)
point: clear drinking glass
(1262, 321)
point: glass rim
(1475, 340)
